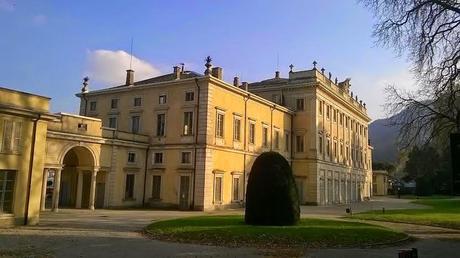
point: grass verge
(442, 213)
(309, 233)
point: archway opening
(76, 178)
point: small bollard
(349, 211)
(408, 253)
(383, 210)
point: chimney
(236, 81)
(277, 74)
(244, 86)
(217, 72)
(177, 72)
(129, 77)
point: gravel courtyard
(118, 233)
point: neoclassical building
(186, 140)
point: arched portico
(75, 179)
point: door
(184, 193)
(100, 191)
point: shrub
(271, 196)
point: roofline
(24, 92)
(128, 88)
(250, 95)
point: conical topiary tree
(271, 196)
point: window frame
(302, 101)
(220, 124)
(161, 130)
(236, 128)
(189, 96)
(184, 154)
(132, 160)
(187, 127)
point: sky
(47, 47)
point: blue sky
(46, 47)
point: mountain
(383, 138)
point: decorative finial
(290, 67)
(208, 65)
(314, 64)
(85, 85)
(330, 75)
(351, 94)
(356, 98)
(364, 104)
(322, 70)
(336, 81)
(182, 67)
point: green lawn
(442, 213)
(231, 231)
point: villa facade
(187, 140)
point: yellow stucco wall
(24, 108)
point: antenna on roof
(131, 54)
(277, 61)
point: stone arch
(71, 146)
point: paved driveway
(117, 233)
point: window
(135, 124)
(341, 119)
(131, 157)
(138, 102)
(321, 107)
(320, 140)
(300, 104)
(220, 125)
(346, 122)
(7, 181)
(113, 122)
(341, 149)
(348, 152)
(156, 187)
(92, 106)
(236, 189)
(11, 136)
(328, 109)
(162, 99)
(161, 124)
(158, 158)
(252, 133)
(335, 149)
(265, 136)
(328, 147)
(335, 115)
(277, 140)
(129, 189)
(218, 189)
(236, 129)
(114, 104)
(186, 157)
(286, 142)
(188, 123)
(299, 143)
(189, 96)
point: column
(79, 188)
(45, 179)
(92, 193)
(57, 189)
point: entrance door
(184, 193)
(100, 191)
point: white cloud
(370, 88)
(109, 67)
(39, 19)
(7, 5)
